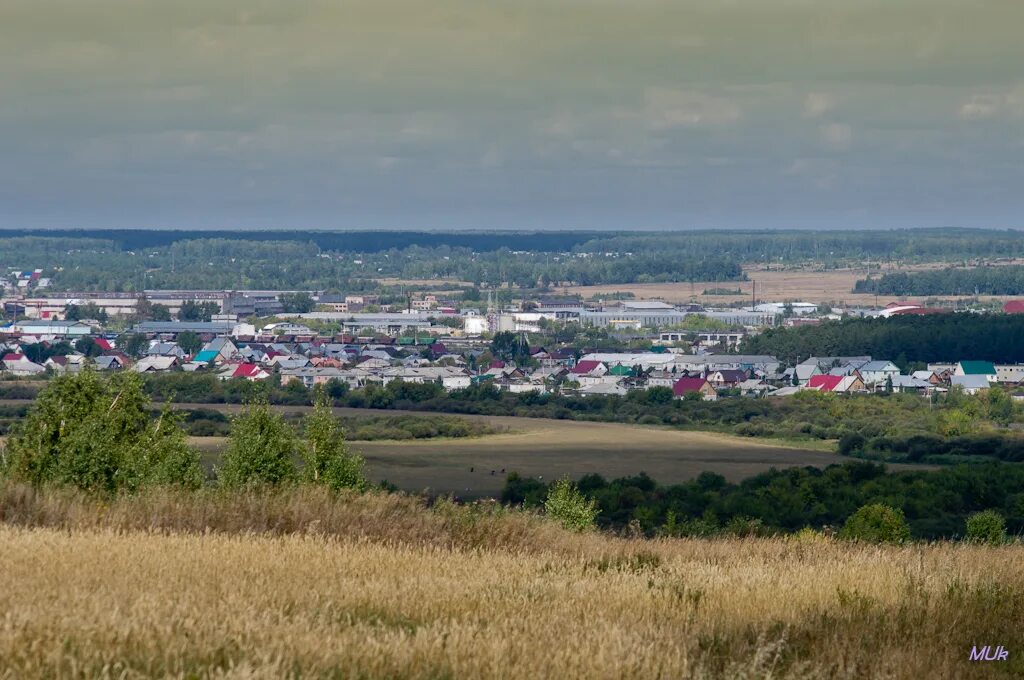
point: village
(355, 341)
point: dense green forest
(903, 339)
(130, 260)
(936, 503)
(1004, 280)
(97, 265)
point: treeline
(936, 503)
(893, 427)
(749, 245)
(225, 263)
(204, 422)
(904, 340)
(96, 433)
(129, 261)
(1005, 280)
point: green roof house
(985, 368)
(621, 370)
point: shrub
(328, 460)
(987, 526)
(96, 434)
(876, 523)
(571, 508)
(262, 449)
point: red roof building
(685, 386)
(584, 367)
(1014, 307)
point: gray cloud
(552, 113)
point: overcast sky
(611, 114)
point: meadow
(545, 448)
(300, 583)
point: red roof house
(685, 386)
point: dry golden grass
(797, 285)
(91, 594)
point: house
(590, 373)
(874, 372)
(19, 365)
(109, 362)
(248, 372)
(906, 383)
(836, 383)
(753, 387)
(223, 347)
(165, 349)
(985, 368)
(929, 376)
(971, 383)
(726, 377)
(604, 389)
(684, 386)
(206, 356)
(153, 364)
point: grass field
(379, 587)
(803, 285)
(555, 448)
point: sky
(477, 114)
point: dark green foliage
(88, 347)
(876, 523)
(936, 503)
(1002, 280)
(189, 341)
(903, 339)
(88, 311)
(297, 302)
(197, 311)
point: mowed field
(798, 285)
(476, 466)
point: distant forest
(904, 340)
(1006, 280)
(127, 260)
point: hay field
(528, 601)
(797, 285)
(555, 448)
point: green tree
(95, 434)
(569, 507)
(328, 460)
(88, 347)
(300, 303)
(876, 523)
(1000, 406)
(133, 344)
(90, 311)
(262, 449)
(987, 526)
(190, 342)
(197, 311)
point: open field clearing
(556, 448)
(404, 592)
(772, 286)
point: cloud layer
(532, 113)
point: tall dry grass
(383, 587)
